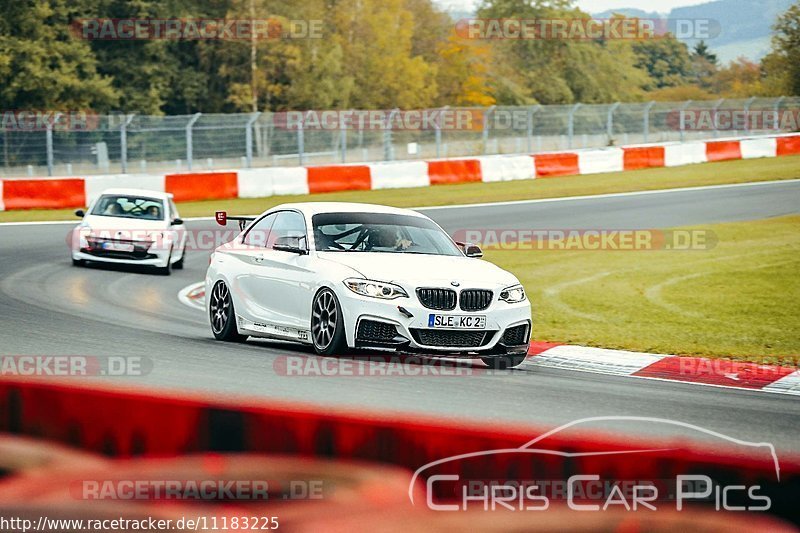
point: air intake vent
(451, 339)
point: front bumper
(364, 316)
(157, 258)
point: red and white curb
(194, 295)
(695, 370)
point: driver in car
(113, 209)
(153, 212)
(388, 237)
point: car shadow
(122, 267)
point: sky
(595, 6)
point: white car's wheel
(166, 270)
(222, 315)
(327, 323)
(179, 263)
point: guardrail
(262, 182)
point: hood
(420, 270)
(101, 223)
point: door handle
(259, 258)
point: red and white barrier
(399, 175)
(599, 161)
(507, 168)
(52, 193)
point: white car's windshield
(129, 207)
(380, 232)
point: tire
(502, 362)
(179, 264)
(222, 316)
(166, 270)
(327, 324)
(78, 262)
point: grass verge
(741, 171)
(740, 299)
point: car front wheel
(327, 324)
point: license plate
(117, 247)
(456, 321)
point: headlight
(513, 294)
(375, 289)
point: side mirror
(290, 244)
(470, 250)
(177, 222)
(80, 213)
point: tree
(782, 65)
(666, 60)
(43, 65)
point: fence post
(610, 122)
(248, 138)
(778, 112)
(680, 113)
(485, 134)
(49, 146)
(716, 123)
(388, 149)
(123, 143)
(301, 140)
(189, 147)
(343, 136)
(438, 131)
(571, 124)
(646, 119)
(529, 127)
(747, 105)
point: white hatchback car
(346, 275)
(131, 226)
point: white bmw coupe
(346, 275)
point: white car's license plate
(117, 247)
(456, 321)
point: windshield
(138, 207)
(380, 232)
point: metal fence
(142, 144)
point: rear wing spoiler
(222, 218)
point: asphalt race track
(48, 307)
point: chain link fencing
(151, 144)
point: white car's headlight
(375, 289)
(512, 295)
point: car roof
(314, 208)
(161, 195)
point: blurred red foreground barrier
(125, 423)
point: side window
(288, 224)
(174, 209)
(259, 233)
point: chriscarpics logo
(562, 469)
